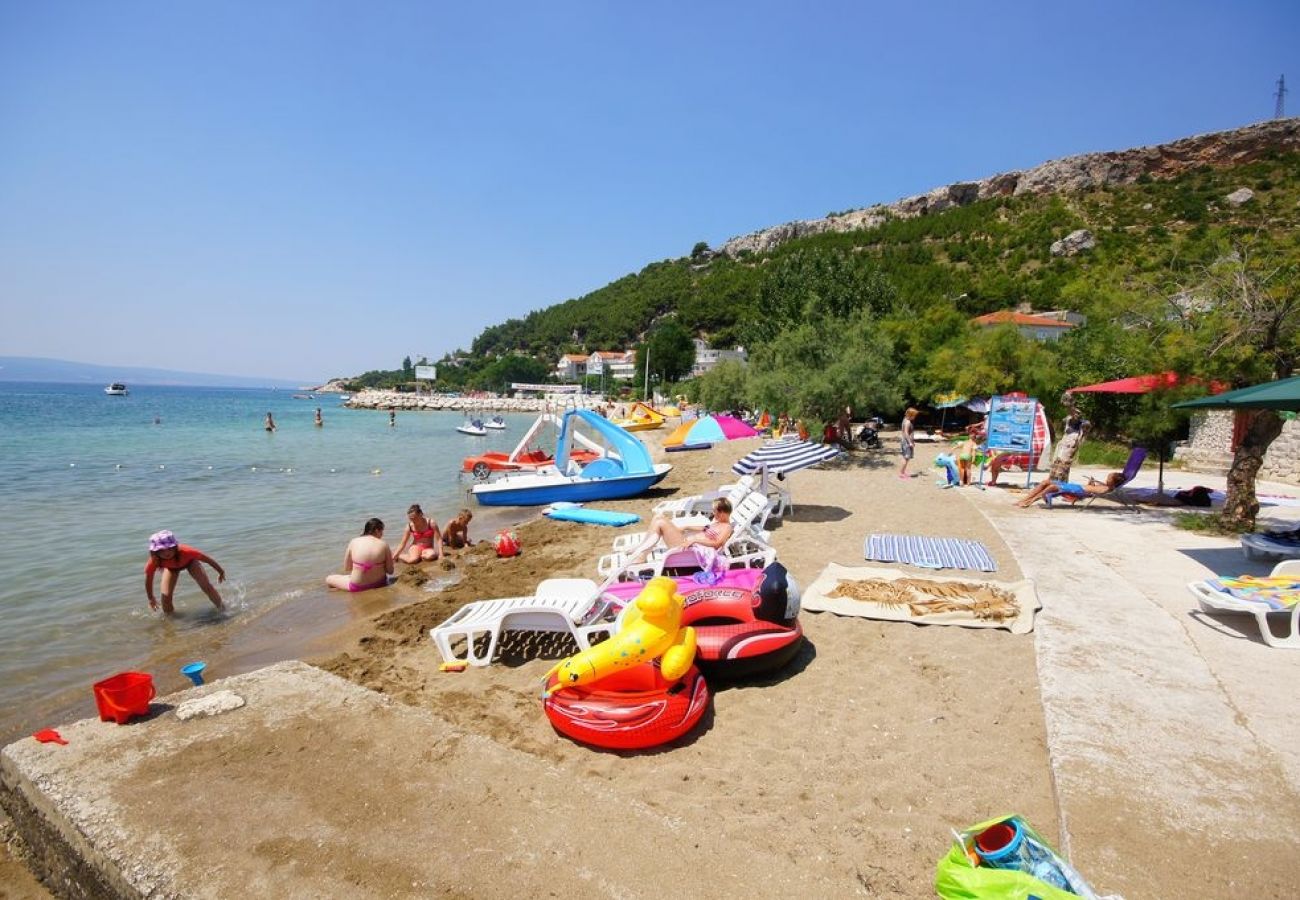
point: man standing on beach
(909, 440)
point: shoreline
(403, 402)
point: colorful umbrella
(709, 430)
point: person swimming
(269, 424)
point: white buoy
(162, 467)
(72, 465)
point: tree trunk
(1240, 508)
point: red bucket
(124, 696)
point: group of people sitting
(369, 560)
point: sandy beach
(860, 755)
(851, 765)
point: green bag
(957, 878)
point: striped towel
(929, 553)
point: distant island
(34, 368)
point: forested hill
(987, 243)
(1180, 257)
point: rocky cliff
(1074, 173)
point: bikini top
(425, 536)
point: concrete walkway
(1165, 727)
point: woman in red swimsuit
(422, 535)
(173, 557)
(368, 560)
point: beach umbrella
(782, 457)
(709, 430)
(1283, 395)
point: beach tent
(709, 430)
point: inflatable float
(745, 624)
(637, 689)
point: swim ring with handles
(632, 709)
(745, 624)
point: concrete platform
(320, 788)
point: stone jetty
(376, 399)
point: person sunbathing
(707, 542)
(1049, 490)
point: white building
(706, 357)
(571, 367)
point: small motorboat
(116, 389)
(474, 428)
(527, 455)
(496, 422)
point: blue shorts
(1069, 487)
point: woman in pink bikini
(369, 561)
(706, 542)
(423, 536)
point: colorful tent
(709, 430)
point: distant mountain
(32, 368)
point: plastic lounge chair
(750, 513)
(1131, 469)
(742, 552)
(1265, 545)
(573, 605)
(702, 504)
(1216, 601)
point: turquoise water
(86, 478)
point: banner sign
(1011, 424)
(546, 388)
(426, 373)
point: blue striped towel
(928, 552)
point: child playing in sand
(457, 533)
(173, 557)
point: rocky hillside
(1087, 171)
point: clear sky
(310, 189)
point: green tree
(725, 386)
(408, 370)
(671, 351)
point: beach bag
(507, 543)
(958, 877)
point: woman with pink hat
(173, 557)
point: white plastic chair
(750, 514)
(1263, 545)
(573, 605)
(745, 550)
(1216, 601)
(702, 504)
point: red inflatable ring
(631, 709)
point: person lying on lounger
(1073, 492)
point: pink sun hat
(162, 540)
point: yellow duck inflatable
(650, 629)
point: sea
(85, 478)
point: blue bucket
(999, 845)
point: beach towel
(1280, 592)
(928, 552)
(877, 592)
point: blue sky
(309, 189)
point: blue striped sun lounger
(928, 552)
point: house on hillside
(619, 365)
(571, 367)
(1036, 326)
(706, 357)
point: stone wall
(1209, 448)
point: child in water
(173, 557)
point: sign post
(1011, 429)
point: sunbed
(1277, 594)
(573, 605)
(1271, 545)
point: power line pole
(1279, 111)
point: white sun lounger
(702, 504)
(748, 514)
(1267, 546)
(743, 551)
(1218, 602)
(573, 605)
